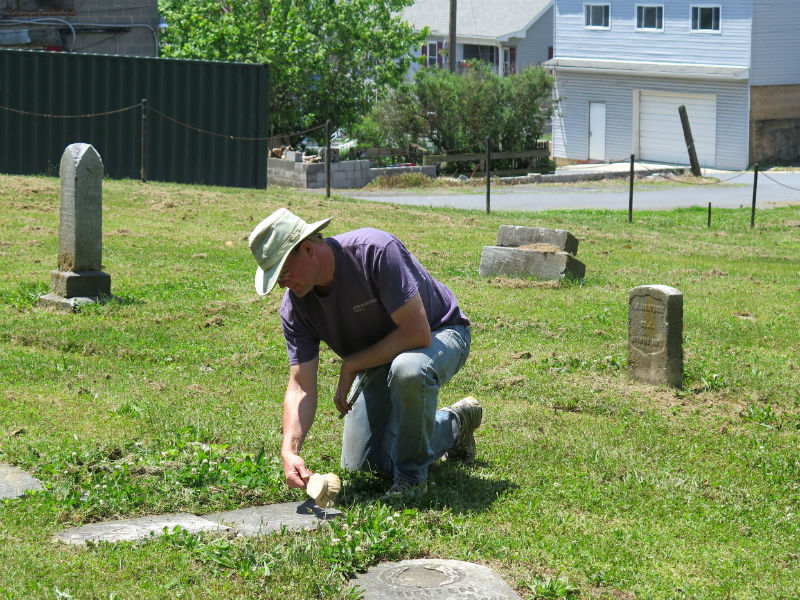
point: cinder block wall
(140, 40)
(96, 25)
(775, 124)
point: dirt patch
(745, 316)
(516, 284)
(543, 248)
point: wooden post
(143, 157)
(630, 194)
(709, 214)
(755, 189)
(488, 172)
(687, 135)
(451, 50)
(328, 158)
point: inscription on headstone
(435, 579)
(655, 334)
(79, 278)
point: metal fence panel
(206, 122)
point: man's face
(297, 274)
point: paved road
(736, 191)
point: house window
(597, 16)
(650, 17)
(433, 58)
(705, 18)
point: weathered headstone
(128, 530)
(655, 334)
(245, 522)
(14, 482)
(516, 235)
(532, 252)
(79, 278)
(260, 520)
(435, 579)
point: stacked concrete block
(541, 253)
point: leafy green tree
(329, 58)
(444, 111)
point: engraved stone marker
(15, 482)
(532, 252)
(433, 578)
(655, 335)
(79, 278)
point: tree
(329, 58)
(445, 112)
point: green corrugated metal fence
(206, 121)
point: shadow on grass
(455, 486)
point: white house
(624, 67)
(510, 34)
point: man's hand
(346, 379)
(294, 467)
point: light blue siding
(776, 43)
(576, 90)
(676, 43)
(534, 49)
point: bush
(443, 111)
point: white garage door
(661, 133)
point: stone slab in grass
(435, 579)
(260, 520)
(248, 522)
(521, 262)
(14, 482)
(127, 530)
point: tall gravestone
(79, 278)
(655, 334)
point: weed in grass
(551, 588)
(339, 548)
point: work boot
(468, 414)
(405, 489)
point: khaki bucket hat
(273, 239)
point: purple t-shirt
(374, 276)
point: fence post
(328, 158)
(755, 189)
(709, 214)
(488, 173)
(143, 157)
(687, 136)
(630, 195)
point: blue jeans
(394, 426)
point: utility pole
(451, 51)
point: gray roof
(493, 19)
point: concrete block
(520, 262)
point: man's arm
(413, 331)
(299, 409)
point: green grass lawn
(587, 485)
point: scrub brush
(324, 488)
